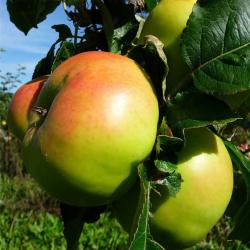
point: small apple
(3, 123)
(21, 104)
(167, 22)
(182, 221)
(101, 122)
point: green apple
(101, 122)
(167, 22)
(3, 123)
(182, 221)
(21, 104)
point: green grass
(30, 220)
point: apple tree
(195, 55)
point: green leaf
(168, 143)
(165, 141)
(152, 57)
(165, 167)
(171, 181)
(216, 46)
(63, 30)
(123, 36)
(106, 21)
(141, 238)
(27, 14)
(194, 109)
(151, 4)
(66, 51)
(72, 2)
(74, 219)
(166, 175)
(43, 67)
(241, 221)
(244, 108)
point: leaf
(168, 143)
(152, 57)
(165, 141)
(241, 221)
(43, 67)
(27, 14)
(194, 109)
(171, 181)
(106, 21)
(122, 36)
(63, 30)
(72, 2)
(141, 238)
(151, 4)
(244, 108)
(74, 219)
(216, 46)
(66, 51)
(165, 167)
(166, 175)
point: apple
(3, 123)
(21, 104)
(182, 221)
(101, 122)
(167, 22)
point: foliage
(4, 103)
(9, 80)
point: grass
(29, 219)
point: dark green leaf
(72, 2)
(165, 140)
(43, 67)
(121, 12)
(63, 30)
(73, 224)
(165, 174)
(216, 46)
(241, 221)
(165, 166)
(170, 143)
(106, 21)
(172, 182)
(151, 4)
(194, 109)
(74, 219)
(141, 238)
(152, 57)
(27, 14)
(244, 108)
(122, 36)
(66, 50)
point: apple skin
(167, 22)
(101, 122)
(21, 104)
(184, 220)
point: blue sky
(26, 50)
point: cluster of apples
(87, 126)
